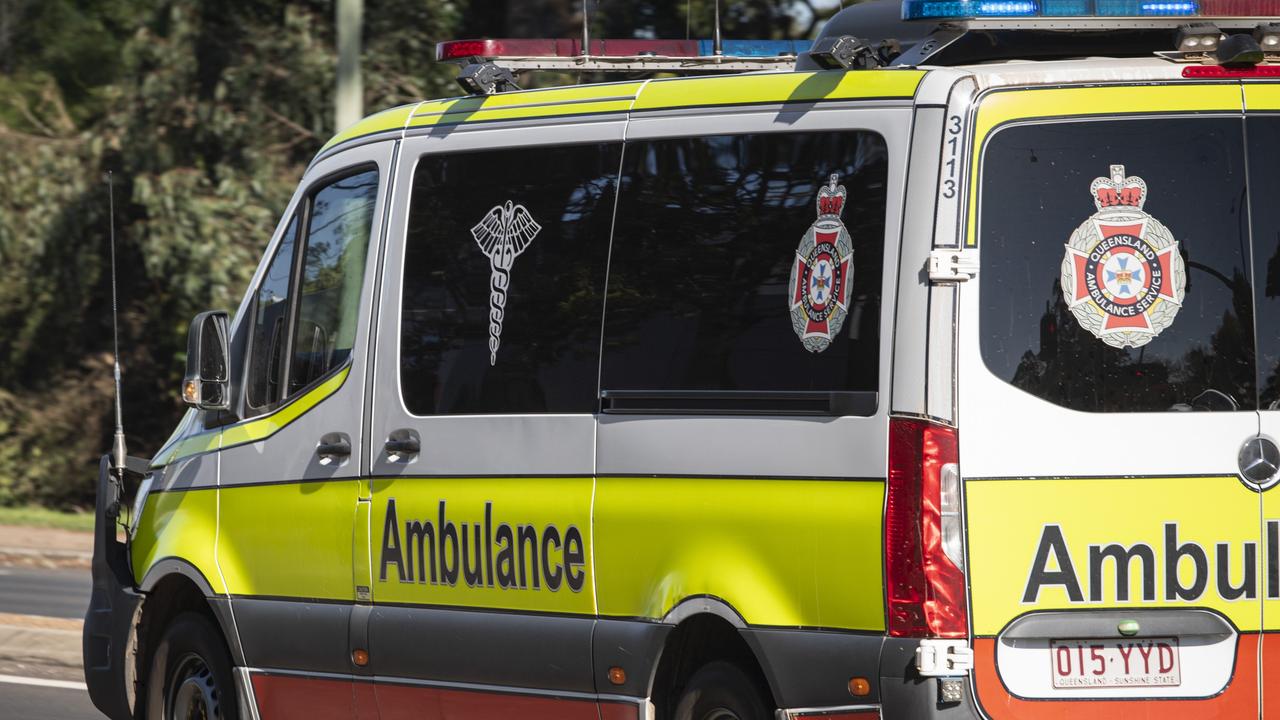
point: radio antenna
(719, 42)
(118, 451)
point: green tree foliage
(206, 113)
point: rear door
(1262, 103)
(1107, 380)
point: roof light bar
(978, 9)
(546, 52)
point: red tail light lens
(925, 588)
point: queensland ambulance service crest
(822, 273)
(1122, 276)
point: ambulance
(928, 371)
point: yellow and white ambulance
(934, 377)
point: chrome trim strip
(799, 713)
(245, 698)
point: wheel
(190, 677)
(721, 691)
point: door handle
(334, 446)
(406, 446)
(403, 446)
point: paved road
(49, 593)
(52, 593)
(43, 703)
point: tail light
(923, 547)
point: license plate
(1092, 663)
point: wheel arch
(706, 628)
(171, 587)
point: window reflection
(332, 277)
(705, 240)
(270, 328)
(1264, 152)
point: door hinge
(940, 658)
(952, 265)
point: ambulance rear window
(1115, 264)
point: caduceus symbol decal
(502, 235)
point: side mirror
(207, 385)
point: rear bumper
(109, 623)
(809, 672)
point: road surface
(44, 688)
(51, 593)
(31, 702)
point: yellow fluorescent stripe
(622, 97)
(263, 427)
(779, 87)
(1262, 96)
(1002, 107)
(384, 121)
(288, 540)
(1009, 520)
(577, 100)
(453, 117)
(782, 552)
(258, 428)
(181, 525)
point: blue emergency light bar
(978, 9)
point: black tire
(190, 676)
(721, 691)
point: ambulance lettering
(484, 554)
(1188, 569)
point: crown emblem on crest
(1118, 191)
(831, 197)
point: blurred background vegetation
(206, 113)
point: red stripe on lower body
(281, 697)
(418, 702)
(286, 696)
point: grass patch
(33, 516)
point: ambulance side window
(721, 294)
(1115, 264)
(306, 307)
(271, 324)
(338, 230)
(503, 282)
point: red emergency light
(1214, 72)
